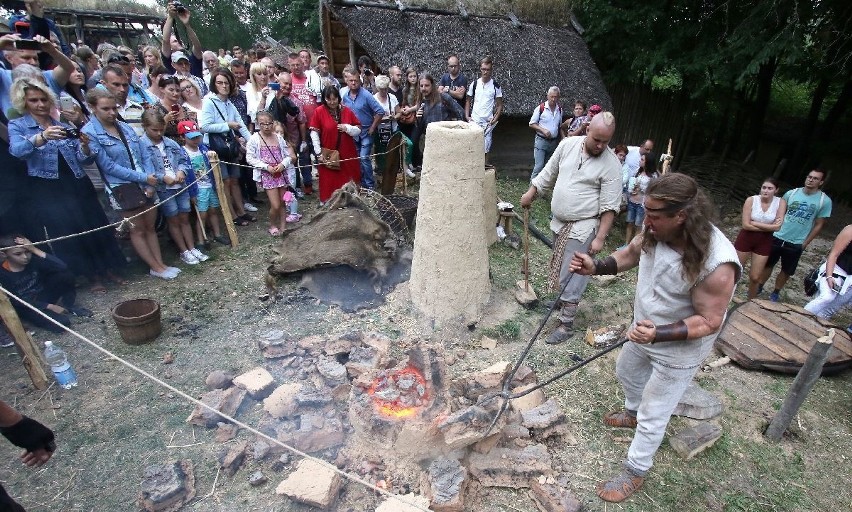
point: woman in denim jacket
(114, 160)
(219, 115)
(60, 199)
(172, 163)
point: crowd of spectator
(115, 118)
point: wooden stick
(200, 222)
(30, 354)
(667, 162)
(224, 202)
(802, 385)
(526, 249)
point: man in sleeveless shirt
(687, 273)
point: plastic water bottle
(58, 362)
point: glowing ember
(399, 394)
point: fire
(399, 394)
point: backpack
(810, 282)
(473, 92)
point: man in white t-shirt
(484, 102)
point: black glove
(29, 435)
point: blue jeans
(542, 151)
(365, 148)
(305, 168)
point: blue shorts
(207, 198)
(171, 207)
(635, 213)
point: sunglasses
(120, 58)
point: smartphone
(27, 44)
(175, 108)
(275, 86)
(66, 103)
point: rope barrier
(122, 224)
(296, 451)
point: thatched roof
(528, 58)
(112, 7)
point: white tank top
(768, 216)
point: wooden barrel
(763, 335)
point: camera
(179, 7)
(71, 133)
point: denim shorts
(635, 213)
(206, 199)
(229, 170)
(171, 207)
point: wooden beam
(30, 354)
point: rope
(128, 221)
(296, 451)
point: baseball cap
(189, 129)
(176, 56)
(595, 109)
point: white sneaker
(249, 207)
(409, 172)
(173, 271)
(163, 275)
(200, 256)
(188, 258)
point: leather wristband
(606, 266)
(677, 331)
(29, 435)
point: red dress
(330, 179)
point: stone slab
(698, 404)
(167, 487)
(257, 382)
(311, 483)
(506, 467)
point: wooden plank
(768, 339)
(779, 307)
(744, 350)
(792, 332)
(814, 326)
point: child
(636, 187)
(175, 169)
(269, 153)
(41, 279)
(291, 194)
(206, 202)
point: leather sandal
(619, 488)
(620, 419)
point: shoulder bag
(128, 195)
(224, 144)
(332, 156)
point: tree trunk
(794, 171)
(761, 104)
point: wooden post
(224, 198)
(667, 161)
(30, 354)
(805, 380)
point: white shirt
(484, 100)
(389, 107)
(632, 159)
(167, 165)
(547, 118)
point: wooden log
(224, 201)
(802, 385)
(692, 441)
(30, 354)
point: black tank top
(844, 260)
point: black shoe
(561, 334)
(222, 239)
(80, 311)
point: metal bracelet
(606, 266)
